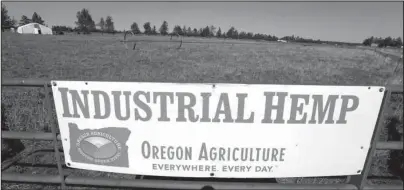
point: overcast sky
(336, 21)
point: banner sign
(216, 130)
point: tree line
(86, 25)
(7, 22)
(383, 42)
(34, 19)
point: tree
(6, 21)
(177, 30)
(147, 28)
(62, 29)
(250, 35)
(109, 25)
(84, 21)
(189, 31)
(205, 32)
(164, 28)
(212, 30)
(135, 28)
(101, 24)
(259, 36)
(37, 19)
(92, 27)
(184, 30)
(232, 33)
(242, 35)
(24, 20)
(372, 40)
(154, 31)
(13, 22)
(367, 42)
(219, 33)
(377, 40)
(397, 42)
(386, 42)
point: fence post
(54, 134)
(361, 180)
(180, 43)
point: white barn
(34, 28)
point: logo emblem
(105, 146)
(99, 147)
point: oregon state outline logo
(99, 147)
(105, 146)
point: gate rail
(354, 182)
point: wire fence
(182, 41)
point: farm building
(373, 45)
(283, 41)
(34, 28)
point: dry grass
(104, 58)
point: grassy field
(104, 58)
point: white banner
(221, 130)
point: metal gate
(352, 182)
